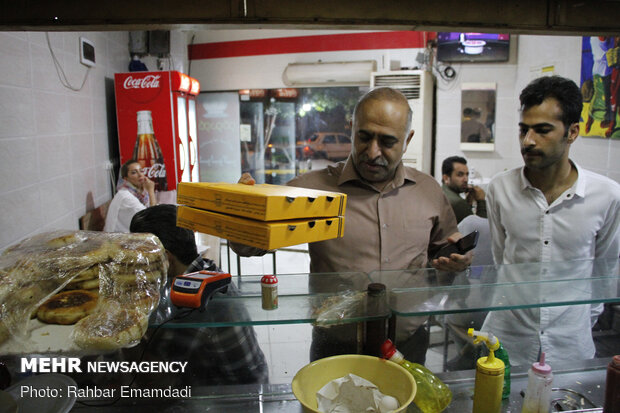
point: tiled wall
(54, 142)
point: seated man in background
(455, 176)
(215, 355)
(134, 193)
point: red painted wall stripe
(308, 44)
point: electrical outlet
(87, 52)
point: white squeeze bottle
(538, 393)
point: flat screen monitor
(472, 47)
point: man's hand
(456, 262)
(246, 179)
(475, 193)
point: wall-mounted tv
(472, 47)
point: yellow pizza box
(264, 235)
(263, 202)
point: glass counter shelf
(502, 287)
(302, 298)
(424, 292)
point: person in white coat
(135, 192)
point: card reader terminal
(193, 290)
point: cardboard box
(264, 235)
(263, 202)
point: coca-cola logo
(157, 170)
(146, 82)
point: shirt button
(546, 242)
(568, 195)
(386, 260)
(547, 211)
(384, 226)
(542, 332)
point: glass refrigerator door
(183, 143)
(193, 137)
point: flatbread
(83, 285)
(67, 307)
(110, 329)
(126, 270)
(143, 299)
(138, 249)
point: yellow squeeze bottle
(489, 377)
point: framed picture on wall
(478, 116)
(600, 87)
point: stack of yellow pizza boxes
(264, 216)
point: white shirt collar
(578, 188)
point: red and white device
(193, 290)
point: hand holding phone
(468, 242)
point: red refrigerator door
(150, 94)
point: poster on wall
(218, 137)
(600, 87)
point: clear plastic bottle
(538, 392)
(432, 395)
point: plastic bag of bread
(83, 277)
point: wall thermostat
(87, 52)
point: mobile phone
(468, 242)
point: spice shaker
(269, 292)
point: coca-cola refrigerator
(156, 115)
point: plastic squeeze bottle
(538, 392)
(432, 395)
(489, 377)
(500, 353)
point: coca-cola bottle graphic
(148, 153)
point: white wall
(528, 55)
(527, 58)
(54, 141)
(265, 72)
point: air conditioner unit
(329, 73)
(417, 86)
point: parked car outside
(327, 145)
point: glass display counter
(308, 299)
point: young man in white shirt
(550, 210)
